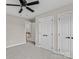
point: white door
(45, 33)
(64, 31)
(71, 35)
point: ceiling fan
(23, 3)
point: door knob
(45, 35)
(68, 37)
(71, 37)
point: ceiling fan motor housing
(23, 2)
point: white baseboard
(60, 53)
(56, 52)
(15, 45)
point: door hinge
(59, 19)
(59, 34)
(59, 49)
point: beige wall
(15, 31)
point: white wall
(27, 26)
(15, 31)
(33, 30)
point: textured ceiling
(44, 6)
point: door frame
(37, 30)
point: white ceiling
(44, 6)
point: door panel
(64, 29)
(71, 35)
(45, 33)
(45, 37)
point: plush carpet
(28, 51)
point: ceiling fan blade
(33, 3)
(12, 5)
(30, 9)
(20, 10)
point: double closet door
(45, 30)
(65, 34)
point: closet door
(64, 34)
(45, 32)
(71, 35)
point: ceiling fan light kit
(23, 3)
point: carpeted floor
(27, 51)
